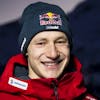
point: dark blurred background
(85, 24)
(84, 20)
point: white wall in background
(12, 9)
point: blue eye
(61, 42)
(40, 43)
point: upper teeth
(50, 64)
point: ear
(26, 54)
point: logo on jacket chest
(18, 83)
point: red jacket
(69, 87)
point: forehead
(50, 34)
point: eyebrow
(57, 38)
(62, 37)
(41, 39)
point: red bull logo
(50, 19)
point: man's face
(48, 54)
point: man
(46, 69)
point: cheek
(33, 57)
(34, 52)
(65, 51)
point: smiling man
(48, 55)
(46, 69)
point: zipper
(55, 89)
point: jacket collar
(71, 85)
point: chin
(55, 76)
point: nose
(52, 52)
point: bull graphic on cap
(50, 19)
